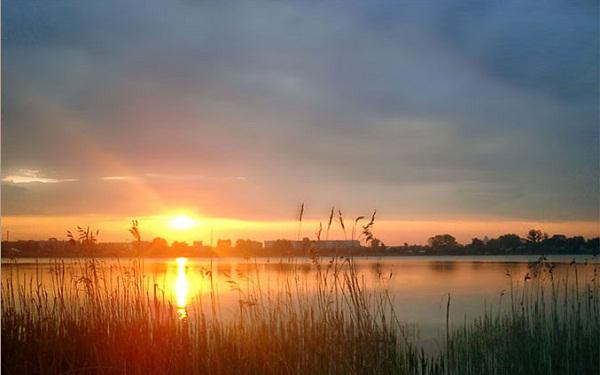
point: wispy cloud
(27, 176)
(117, 178)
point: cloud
(417, 108)
(28, 176)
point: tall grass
(552, 327)
(116, 320)
(103, 324)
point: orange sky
(392, 232)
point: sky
(477, 117)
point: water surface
(419, 286)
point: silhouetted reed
(552, 326)
(114, 319)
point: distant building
(223, 244)
(323, 245)
(337, 244)
(248, 245)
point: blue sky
(244, 109)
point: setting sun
(182, 222)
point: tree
(535, 236)
(575, 244)
(376, 244)
(159, 244)
(509, 241)
(594, 245)
(477, 244)
(557, 242)
(442, 241)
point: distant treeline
(536, 242)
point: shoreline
(475, 258)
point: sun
(182, 222)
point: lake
(418, 286)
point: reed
(114, 319)
(551, 326)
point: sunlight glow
(181, 288)
(182, 222)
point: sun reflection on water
(181, 288)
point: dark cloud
(476, 108)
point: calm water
(419, 285)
